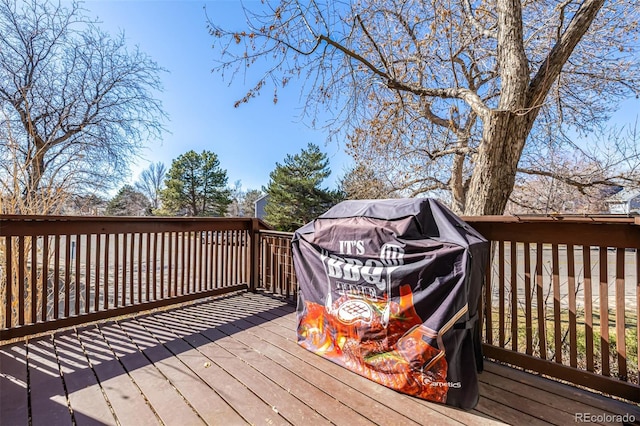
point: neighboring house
(259, 205)
(626, 201)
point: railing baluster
(514, 295)
(571, 288)
(588, 307)
(604, 311)
(183, 269)
(8, 251)
(199, 247)
(87, 275)
(78, 271)
(107, 247)
(116, 270)
(637, 258)
(96, 287)
(188, 258)
(501, 296)
(56, 277)
(67, 275)
(527, 298)
(125, 238)
(557, 333)
(175, 239)
(488, 298)
(147, 266)
(34, 279)
(132, 248)
(161, 272)
(542, 320)
(621, 347)
(227, 258)
(20, 267)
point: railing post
(254, 260)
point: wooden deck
(234, 360)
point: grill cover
(389, 289)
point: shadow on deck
(234, 360)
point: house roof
(624, 196)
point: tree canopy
(151, 183)
(361, 183)
(448, 96)
(295, 192)
(75, 104)
(196, 186)
(128, 202)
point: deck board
(235, 360)
(13, 384)
(125, 398)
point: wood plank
(532, 412)
(419, 409)
(13, 384)
(255, 364)
(381, 394)
(126, 399)
(194, 361)
(567, 406)
(186, 380)
(251, 350)
(48, 399)
(234, 393)
(367, 398)
(281, 401)
(166, 402)
(505, 414)
(468, 417)
(84, 393)
(563, 391)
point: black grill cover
(390, 289)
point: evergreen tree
(128, 202)
(196, 186)
(248, 206)
(295, 195)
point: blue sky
(248, 140)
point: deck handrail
(542, 304)
(111, 266)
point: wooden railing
(561, 296)
(277, 274)
(62, 271)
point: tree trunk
(458, 196)
(35, 168)
(504, 136)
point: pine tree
(128, 202)
(196, 185)
(295, 194)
